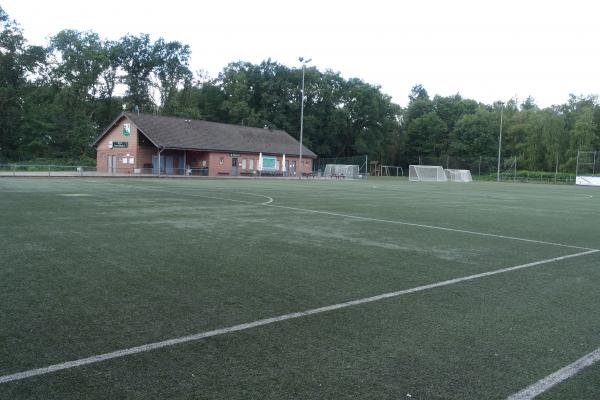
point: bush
(81, 162)
(530, 176)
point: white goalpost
(587, 170)
(341, 170)
(435, 173)
(458, 175)
(426, 173)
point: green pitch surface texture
(90, 267)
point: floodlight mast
(299, 167)
(499, 144)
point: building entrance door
(234, 162)
(293, 170)
(112, 164)
(168, 166)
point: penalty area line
(545, 384)
(267, 321)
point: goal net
(341, 170)
(426, 173)
(458, 175)
(587, 170)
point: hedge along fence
(531, 176)
(66, 162)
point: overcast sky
(481, 49)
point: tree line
(55, 99)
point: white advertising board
(588, 180)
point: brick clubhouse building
(151, 144)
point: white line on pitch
(260, 195)
(429, 227)
(267, 321)
(545, 384)
(268, 203)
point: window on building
(221, 160)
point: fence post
(556, 169)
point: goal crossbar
(458, 175)
(426, 173)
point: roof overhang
(115, 123)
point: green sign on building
(269, 163)
(126, 129)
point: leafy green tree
(138, 59)
(172, 60)
(79, 60)
(18, 61)
(475, 135)
(424, 133)
(451, 108)
(555, 138)
(419, 104)
(583, 133)
(55, 100)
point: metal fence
(320, 165)
(481, 168)
(391, 170)
(588, 163)
(67, 170)
(45, 170)
(486, 168)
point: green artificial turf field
(91, 267)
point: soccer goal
(458, 175)
(587, 171)
(426, 173)
(341, 171)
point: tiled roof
(180, 133)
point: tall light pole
(299, 168)
(499, 144)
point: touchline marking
(267, 321)
(545, 384)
